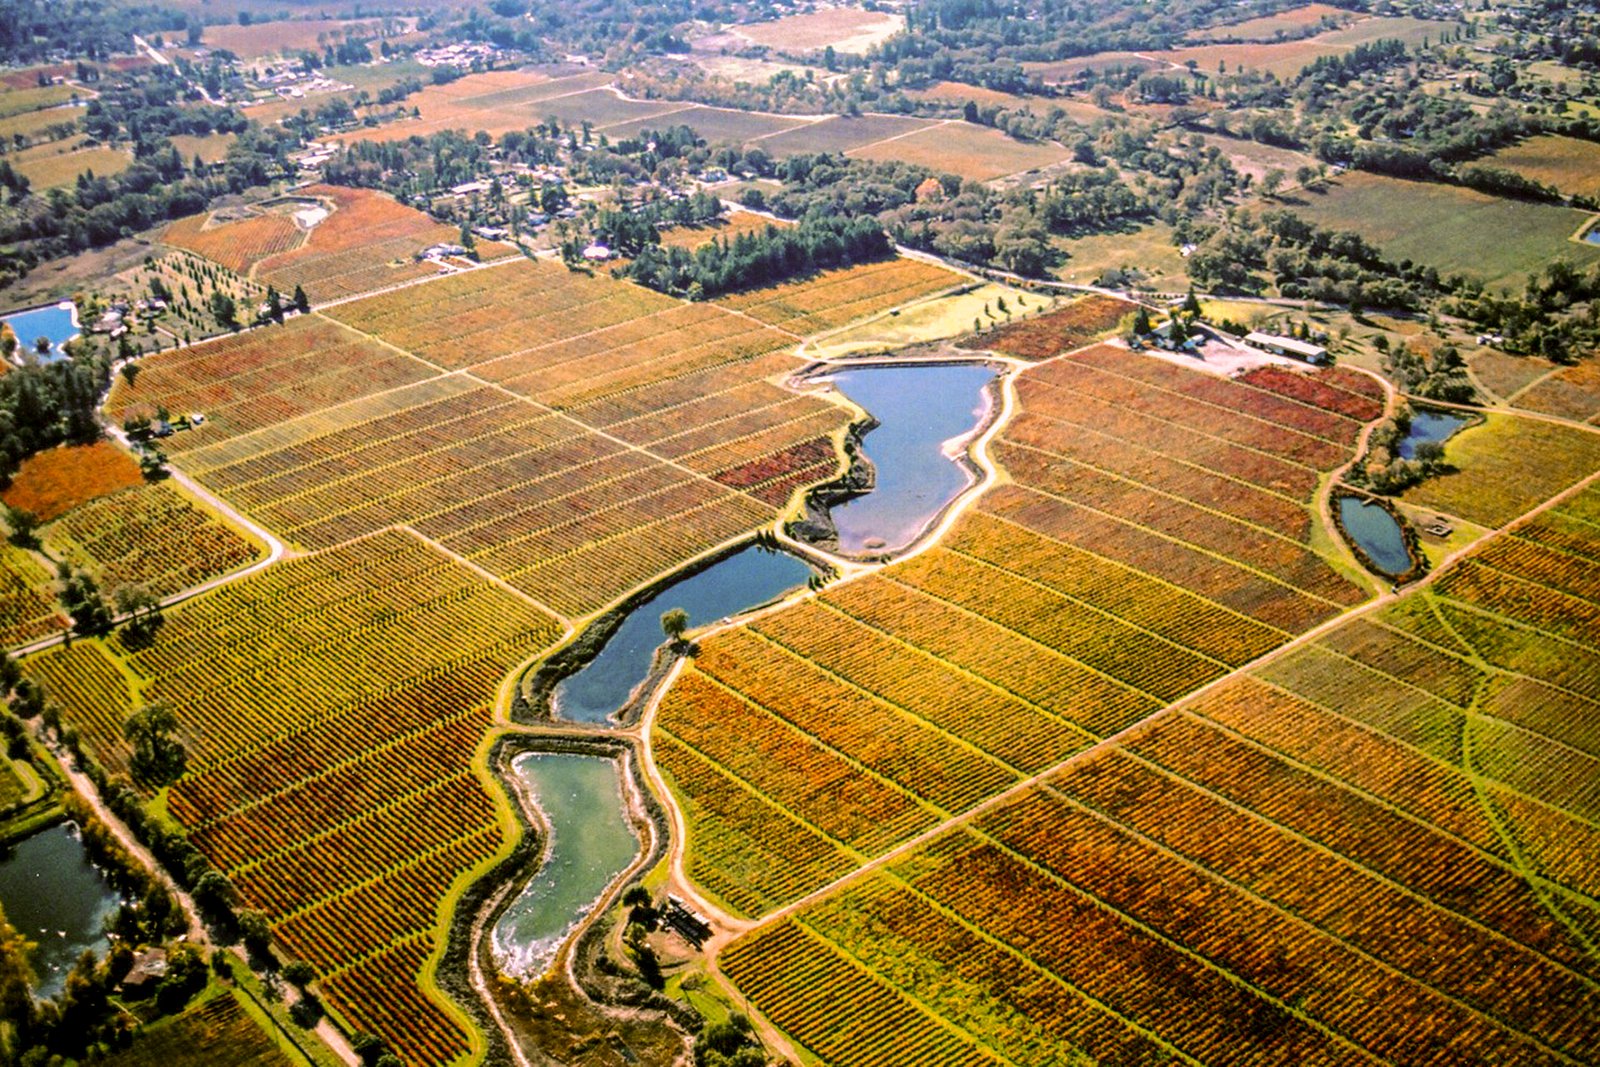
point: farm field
(1505, 466)
(1153, 535)
(1459, 231)
(847, 29)
(1085, 319)
(27, 598)
(1270, 27)
(837, 298)
(715, 124)
(1506, 375)
(1148, 250)
(1360, 851)
(50, 484)
(215, 1030)
(1570, 392)
(841, 133)
(1067, 70)
(355, 763)
(152, 536)
(1285, 59)
(974, 152)
(287, 36)
(495, 101)
(43, 127)
(960, 92)
(211, 148)
(235, 243)
(1568, 163)
(589, 435)
(725, 228)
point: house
(149, 967)
(691, 924)
(1287, 346)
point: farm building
(1288, 346)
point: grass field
(356, 762)
(1050, 617)
(1505, 466)
(974, 152)
(21, 101)
(47, 168)
(212, 148)
(847, 29)
(1362, 852)
(936, 319)
(1459, 231)
(1569, 164)
(1149, 251)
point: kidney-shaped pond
(926, 412)
(590, 841)
(1377, 534)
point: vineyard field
(27, 598)
(354, 764)
(1367, 849)
(1060, 611)
(837, 298)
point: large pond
(926, 413)
(56, 898)
(58, 322)
(747, 579)
(1377, 533)
(590, 842)
(1428, 426)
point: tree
(1191, 303)
(274, 305)
(1141, 321)
(130, 371)
(673, 623)
(158, 756)
(302, 303)
(300, 974)
(143, 611)
(24, 527)
(1272, 181)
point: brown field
(959, 93)
(603, 109)
(1567, 163)
(977, 153)
(1570, 392)
(726, 228)
(1255, 159)
(496, 102)
(840, 134)
(47, 169)
(1504, 375)
(1285, 59)
(715, 124)
(1067, 70)
(846, 29)
(286, 35)
(52, 483)
(1269, 27)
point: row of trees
(751, 260)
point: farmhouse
(1288, 346)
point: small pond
(1592, 234)
(1377, 533)
(1428, 425)
(56, 898)
(747, 579)
(590, 842)
(926, 412)
(58, 322)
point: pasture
(934, 319)
(845, 29)
(977, 153)
(1153, 533)
(212, 148)
(1068, 70)
(287, 36)
(1149, 251)
(1567, 163)
(1280, 24)
(1505, 466)
(1458, 231)
(840, 133)
(46, 166)
(1426, 765)
(716, 124)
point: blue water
(746, 579)
(54, 322)
(590, 841)
(1429, 426)
(57, 899)
(919, 408)
(1375, 530)
(1592, 235)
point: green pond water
(590, 842)
(58, 900)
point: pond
(1428, 425)
(747, 579)
(58, 322)
(56, 898)
(926, 413)
(1592, 234)
(590, 842)
(1377, 533)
